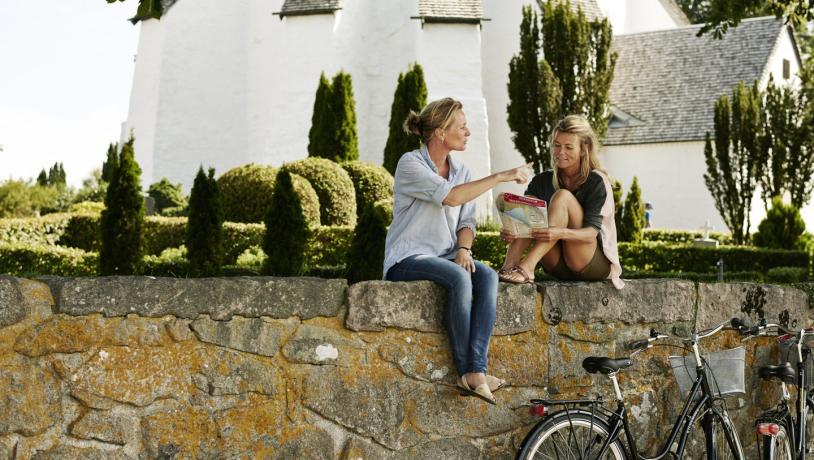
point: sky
(66, 71)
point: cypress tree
(344, 109)
(571, 74)
(411, 94)
(287, 231)
(204, 230)
(617, 204)
(110, 163)
(731, 164)
(633, 216)
(320, 139)
(366, 255)
(42, 179)
(123, 217)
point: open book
(520, 214)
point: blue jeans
(471, 302)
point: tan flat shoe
(494, 383)
(481, 391)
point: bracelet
(465, 248)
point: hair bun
(413, 124)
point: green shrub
(166, 195)
(28, 260)
(34, 230)
(287, 230)
(252, 258)
(683, 236)
(346, 146)
(782, 228)
(366, 256)
(750, 276)
(238, 238)
(410, 95)
(371, 182)
(82, 232)
(171, 262)
(329, 246)
(488, 226)
(337, 197)
(204, 235)
(20, 199)
(123, 218)
(321, 136)
(787, 275)
(87, 207)
(246, 191)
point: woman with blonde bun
(432, 231)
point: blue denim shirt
(422, 224)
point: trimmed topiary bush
(337, 196)
(787, 275)
(123, 217)
(34, 230)
(287, 230)
(633, 216)
(19, 259)
(166, 195)
(204, 236)
(246, 191)
(366, 257)
(371, 182)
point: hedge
(371, 182)
(34, 230)
(19, 259)
(683, 236)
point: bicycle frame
(618, 419)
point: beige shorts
(597, 269)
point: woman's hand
(507, 236)
(519, 174)
(465, 260)
(548, 234)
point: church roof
(666, 82)
(450, 11)
(303, 7)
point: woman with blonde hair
(580, 242)
(432, 231)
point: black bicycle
(781, 432)
(587, 430)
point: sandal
(516, 275)
(494, 383)
(481, 391)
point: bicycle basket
(788, 354)
(725, 371)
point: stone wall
(141, 367)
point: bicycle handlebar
(762, 329)
(643, 344)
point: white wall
(634, 16)
(784, 49)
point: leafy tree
(287, 230)
(146, 9)
(122, 220)
(320, 136)
(731, 164)
(782, 228)
(56, 176)
(204, 228)
(568, 71)
(633, 216)
(411, 94)
(166, 195)
(344, 109)
(93, 188)
(366, 255)
(19, 198)
(720, 15)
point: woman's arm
(463, 256)
(463, 193)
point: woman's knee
(563, 197)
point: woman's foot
(515, 275)
(475, 384)
(494, 383)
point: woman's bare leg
(564, 211)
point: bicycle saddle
(783, 372)
(605, 365)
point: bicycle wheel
(777, 447)
(576, 435)
(725, 441)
